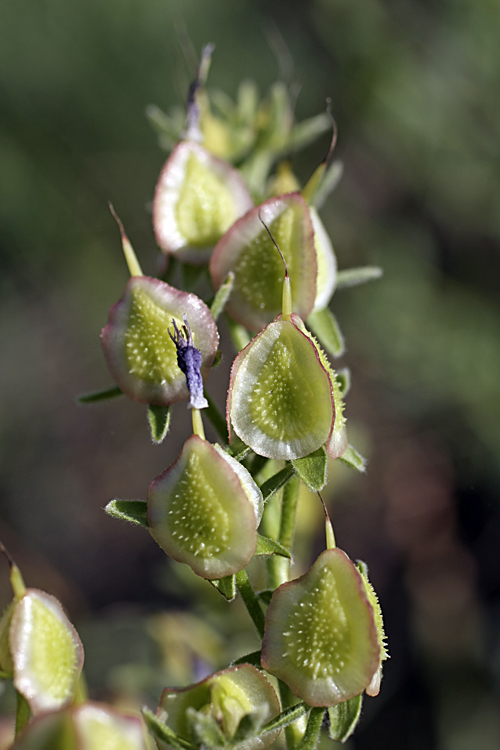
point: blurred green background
(415, 91)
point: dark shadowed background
(415, 90)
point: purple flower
(189, 361)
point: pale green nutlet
(47, 653)
(280, 399)
(204, 512)
(320, 636)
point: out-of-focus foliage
(413, 88)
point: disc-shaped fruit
(280, 399)
(201, 512)
(139, 351)
(198, 197)
(248, 251)
(320, 635)
(47, 653)
(227, 697)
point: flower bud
(217, 705)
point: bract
(226, 697)
(320, 634)
(197, 198)
(47, 654)
(140, 353)
(280, 399)
(203, 512)
(248, 251)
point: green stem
(239, 334)
(311, 736)
(23, 713)
(216, 419)
(279, 568)
(250, 601)
(287, 701)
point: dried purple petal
(189, 359)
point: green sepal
(267, 546)
(354, 459)
(355, 276)
(205, 728)
(343, 378)
(222, 296)
(344, 718)
(159, 418)
(164, 733)
(325, 327)
(312, 469)
(93, 398)
(253, 659)
(226, 586)
(133, 511)
(277, 481)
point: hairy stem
(311, 736)
(250, 601)
(279, 568)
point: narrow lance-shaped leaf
(222, 296)
(354, 459)
(267, 546)
(344, 717)
(325, 327)
(96, 396)
(226, 586)
(355, 276)
(159, 422)
(277, 481)
(133, 511)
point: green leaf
(277, 481)
(226, 586)
(222, 296)
(238, 449)
(164, 733)
(133, 511)
(285, 718)
(344, 718)
(312, 469)
(343, 378)
(324, 326)
(253, 658)
(265, 595)
(266, 546)
(355, 460)
(356, 276)
(216, 418)
(92, 398)
(329, 182)
(159, 422)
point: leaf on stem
(133, 511)
(285, 718)
(354, 459)
(277, 481)
(164, 733)
(312, 469)
(159, 422)
(325, 327)
(222, 296)
(93, 398)
(355, 276)
(344, 718)
(226, 586)
(267, 546)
